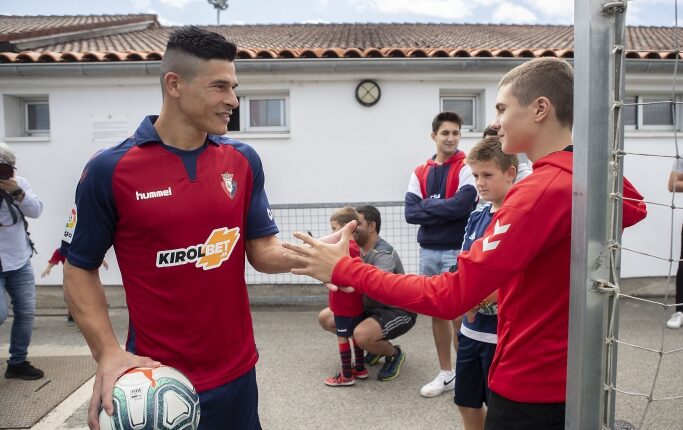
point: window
(465, 106)
(27, 116)
(261, 114)
(36, 117)
(656, 116)
(630, 113)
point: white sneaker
(444, 381)
(675, 321)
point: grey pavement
(295, 355)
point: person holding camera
(17, 201)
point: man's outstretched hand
(317, 259)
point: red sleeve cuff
(341, 274)
(56, 258)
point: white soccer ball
(159, 398)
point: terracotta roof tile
(322, 40)
(14, 28)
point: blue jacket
(485, 324)
(440, 198)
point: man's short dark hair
(371, 214)
(189, 45)
(201, 43)
(442, 117)
(488, 131)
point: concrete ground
(296, 354)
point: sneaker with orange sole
(339, 380)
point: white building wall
(336, 151)
(653, 235)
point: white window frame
(284, 116)
(641, 98)
(25, 105)
(245, 120)
(15, 117)
(475, 108)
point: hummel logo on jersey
(209, 255)
(498, 229)
(473, 236)
(153, 194)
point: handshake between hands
(318, 257)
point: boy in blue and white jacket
(494, 174)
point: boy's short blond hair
(344, 215)
(490, 149)
(544, 77)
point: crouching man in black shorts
(381, 323)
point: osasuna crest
(229, 186)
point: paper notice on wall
(110, 128)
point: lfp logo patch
(209, 255)
(70, 226)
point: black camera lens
(6, 171)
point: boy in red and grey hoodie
(440, 198)
(524, 253)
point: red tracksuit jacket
(525, 254)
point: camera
(6, 171)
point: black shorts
(231, 406)
(345, 325)
(472, 372)
(393, 321)
(506, 414)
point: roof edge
(8, 55)
(295, 65)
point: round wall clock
(368, 92)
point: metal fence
(315, 218)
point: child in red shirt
(348, 312)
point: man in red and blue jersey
(440, 198)
(182, 206)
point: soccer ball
(159, 398)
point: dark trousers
(506, 414)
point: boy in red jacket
(524, 253)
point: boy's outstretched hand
(317, 259)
